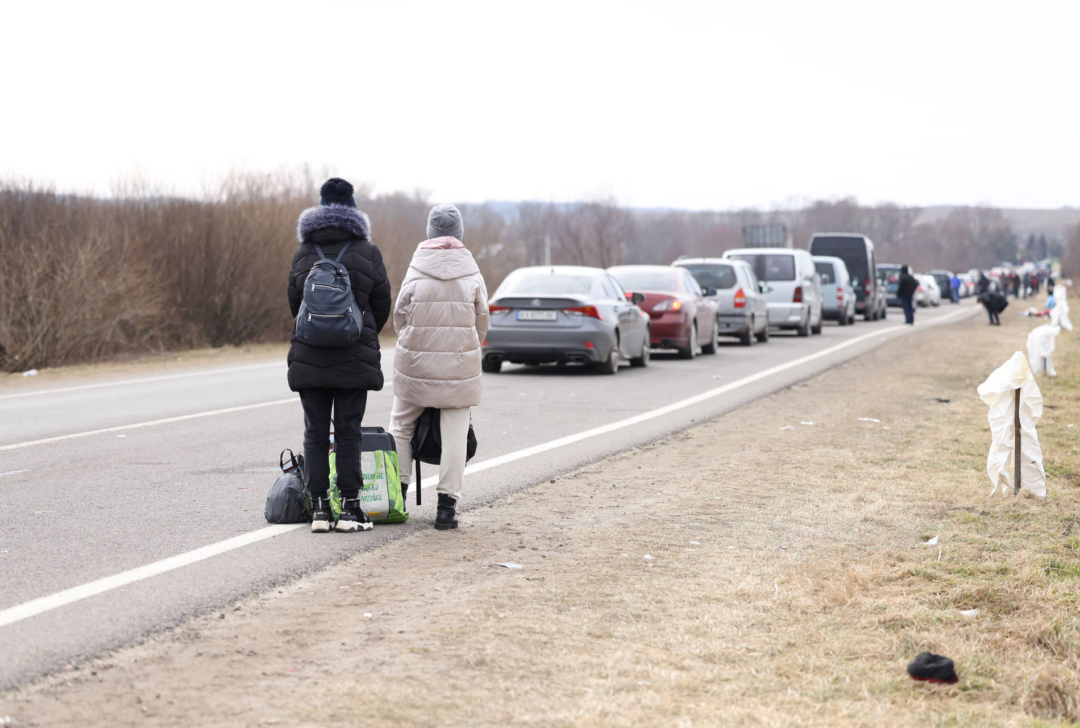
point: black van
(857, 252)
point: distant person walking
(1015, 278)
(337, 378)
(441, 318)
(905, 291)
(983, 286)
(954, 286)
(994, 303)
(1050, 284)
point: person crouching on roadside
(337, 378)
(441, 318)
(905, 291)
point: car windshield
(645, 279)
(825, 270)
(547, 284)
(720, 277)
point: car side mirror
(710, 291)
(635, 298)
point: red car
(680, 314)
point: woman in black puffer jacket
(337, 378)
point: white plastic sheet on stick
(998, 391)
(1040, 348)
(1059, 314)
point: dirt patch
(736, 573)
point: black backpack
(329, 315)
(427, 443)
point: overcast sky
(677, 104)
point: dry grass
(788, 584)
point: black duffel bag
(427, 442)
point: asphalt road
(78, 508)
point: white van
(795, 295)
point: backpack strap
(340, 255)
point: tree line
(87, 278)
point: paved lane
(79, 510)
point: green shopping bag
(380, 493)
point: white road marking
(15, 472)
(93, 588)
(151, 423)
(123, 382)
(38, 606)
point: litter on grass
(868, 419)
(931, 542)
(788, 427)
(508, 565)
(648, 558)
(969, 612)
(30, 373)
(809, 422)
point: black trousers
(348, 411)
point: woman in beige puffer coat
(441, 318)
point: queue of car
(560, 314)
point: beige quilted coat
(441, 317)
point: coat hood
(445, 264)
(324, 216)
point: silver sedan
(565, 314)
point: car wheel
(815, 330)
(884, 312)
(691, 349)
(804, 330)
(763, 336)
(646, 352)
(611, 366)
(747, 337)
(491, 366)
(843, 320)
(714, 345)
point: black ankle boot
(445, 517)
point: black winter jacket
(341, 367)
(906, 287)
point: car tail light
(892, 279)
(869, 288)
(839, 295)
(740, 298)
(584, 311)
(589, 345)
(671, 304)
(498, 309)
(797, 298)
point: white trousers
(454, 429)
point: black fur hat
(932, 668)
(336, 191)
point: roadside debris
(508, 565)
(788, 427)
(869, 419)
(969, 612)
(649, 558)
(929, 667)
(808, 423)
(936, 399)
(931, 542)
(30, 373)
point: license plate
(537, 316)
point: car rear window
(720, 277)
(770, 266)
(645, 280)
(853, 251)
(548, 284)
(825, 270)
